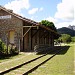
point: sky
(60, 12)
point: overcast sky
(61, 12)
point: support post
(30, 40)
(38, 38)
(49, 39)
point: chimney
(10, 10)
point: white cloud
(64, 24)
(54, 20)
(60, 24)
(33, 11)
(51, 19)
(18, 5)
(65, 10)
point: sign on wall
(5, 17)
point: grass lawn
(25, 68)
(12, 57)
(16, 60)
(61, 64)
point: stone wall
(6, 25)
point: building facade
(23, 32)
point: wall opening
(11, 37)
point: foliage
(49, 24)
(65, 38)
(41, 49)
(3, 47)
(73, 39)
(12, 49)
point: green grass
(62, 64)
(4, 59)
(25, 68)
(16, 60)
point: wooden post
(30, 40)
(38, 38)
(50, 39)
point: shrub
(3, 47)
(65, 38)
(42, 49)
(73, 39)
(12, 49)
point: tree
(65, 38)
(73, 39)
(48, 24)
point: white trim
(5, 17)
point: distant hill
(71, 27)
(66, 30)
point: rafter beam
(27, 31)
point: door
(26, 42)
(11, 37)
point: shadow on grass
(60, 50)
(3, 57)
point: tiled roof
(27, 20)
(18, 16)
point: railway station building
(22, 32)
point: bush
(3, 48)
(73, 39)
(42, 49)
(12, 49)
(65, 38)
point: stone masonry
(6, 25)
